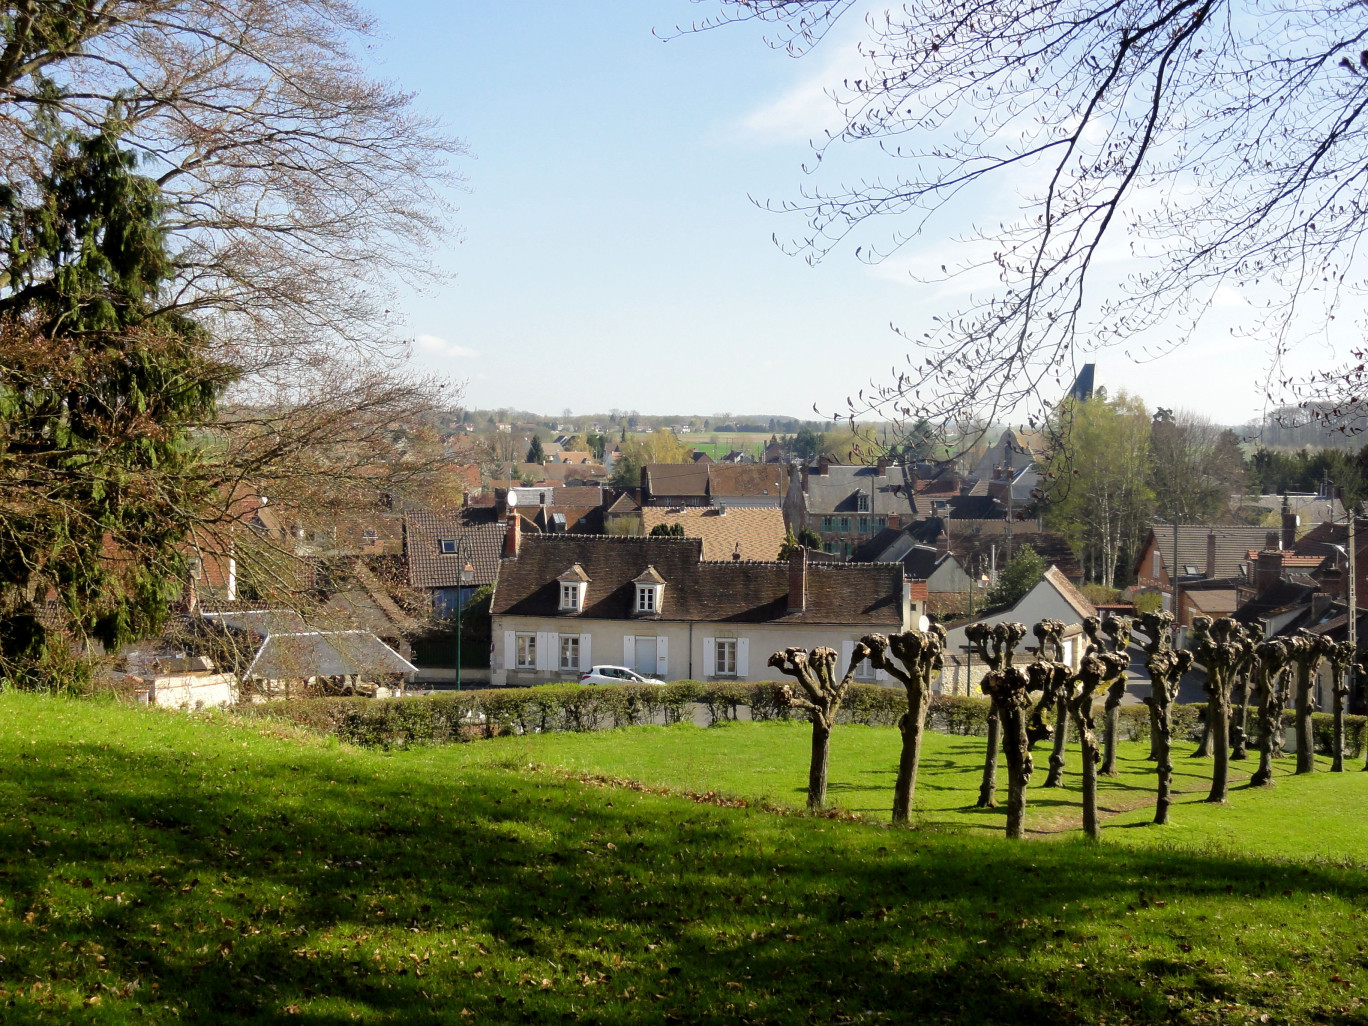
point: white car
(615, 675)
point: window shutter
(629, 652)
(548, 652)
(662, 657)
(881, 675)
(510, 650)
(586, 655)
(847, 650)
(743, 657)
(709, 658)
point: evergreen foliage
(1022, 573)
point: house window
(862, 503)
(447, 546)
(368, 534)
(845, 524)
(569, 652)
(864, 525)
(865, 671)
(1157, 558)
(726, 657)
(828, 523)
(646, 598)
(569, 596)
(527, 652)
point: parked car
(615, 675)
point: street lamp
(467, 575)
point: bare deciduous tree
(919, 657)
(1272, 668)
(1307, 651)
(1222, 646)
(815, 672)
(1341, 658)
(995, 645)
(1195, 132)
(1166, 668)
(1118, 631)
(1096, 670)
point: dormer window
(862, 503)
(573, 585)
(650, 593)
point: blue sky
(611, 256)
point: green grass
(155, 868)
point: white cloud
(441, 347)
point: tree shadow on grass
(245, 883)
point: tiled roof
(839, 489)
(1213, 601)
(1291, 560)
(751, 480)
(864, 594)
(1231, 545)
(1072, 595)
(326, 654)
(1279, 597)
(975, 507)
(683, 479)
(479, 535)
(759, 530)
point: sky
(612, 254)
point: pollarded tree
(1050, 648)
(1096, 670)
(1222, 647)
(1341, 658)
(815, 672)
(994, 644)
(1010, 689)
(1165, 668)
(1272, 667)
(1118, 632)
(1307, 651)
(919, 657)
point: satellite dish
(923, 624)
(512, 498)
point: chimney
(512, 536)
(1290, 522)
(882, 467)
(1271, 541)
(1268, 571)
(942, 544)
(1211, 557)
(797, 589)
(895, 521)
(823, 465)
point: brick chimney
(942, 544)
(1271, 542)
(512, 536)
(1289, 531)
(823, 465)
(1211, 557)
(882, 467)
(1267, 571)
(797, 589)
(895, 521)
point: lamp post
(467, 575)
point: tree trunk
(817, 770)
(1081, 711)
(987, 798)
(1163, 736)
(1269, 713)
(1204, 746)
(1061, 738)
(1113, 723)
(912, 725)
(1218, 731)
(1154, 733)
(1016, 750)
(1306, 740)
(1337, 766)
(1238, 737)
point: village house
(1211, 562)
(565, 603)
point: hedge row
(466, 715)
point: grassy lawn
(156, 868)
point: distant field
(157, 868)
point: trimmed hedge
(458, 716)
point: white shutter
(847, 650)
(662, 657)
(547, 657)
(743, 658)
(629, 652)
(709, 658)
(586, 659)
(881, 675)
(510, 650)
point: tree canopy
(1211, 145)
